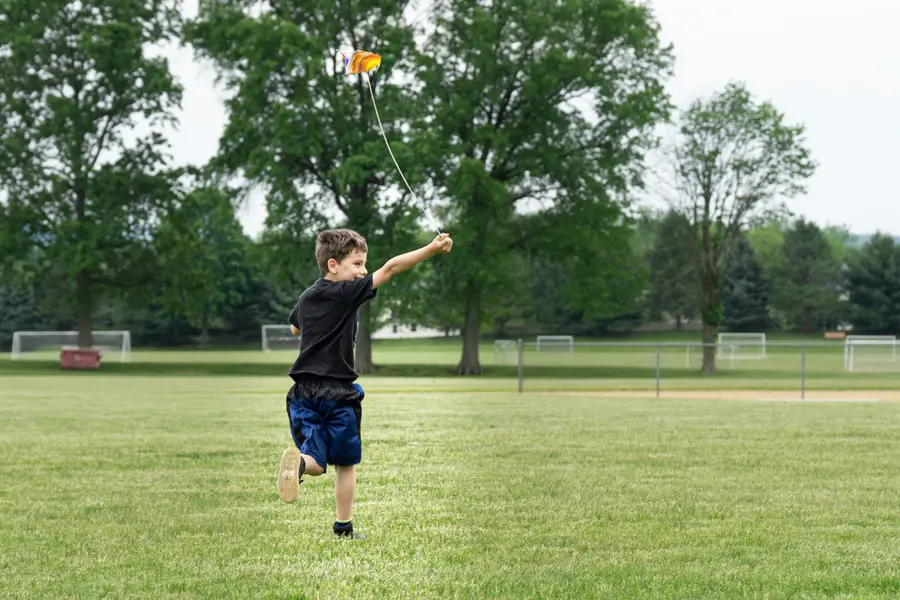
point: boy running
(324, 405)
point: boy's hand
(441, 244)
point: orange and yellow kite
(360, 61)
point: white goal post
(37, 342)
(501, 347)
(740, 346)
(555, 342)
(279, 337)
(872, 348)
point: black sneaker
(348, 533)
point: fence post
(657, 371)
(803, 373)
(521, 368)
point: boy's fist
(442, 243)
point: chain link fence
(656, 366)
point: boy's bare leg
(344, 492)
(313, 469)
(293, 466)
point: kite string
(381, 127)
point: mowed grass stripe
(164, 488)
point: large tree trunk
(364, 363)
(469, 364)
(709, 292)
(84, 307)
(711, 316)
(709, 350)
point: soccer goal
(502, 349)
(865, 352)
(47, 344)
(555, 342)
(279, 337)
(741, 346)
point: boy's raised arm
(439, 245)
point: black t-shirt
(327, 316)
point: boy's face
(352, 267)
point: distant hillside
(861, 239)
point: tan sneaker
(288, 481)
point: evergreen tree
(18, 311)
(745, 296)
(874, 283)
(807, 279)
(674, 283)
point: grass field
(155, 479)
(163, 487)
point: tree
(550, 302)
(18, 310)
(730, 162)
(645, 228)
(841, 241)
(546, 108)
(308, 134)
(673, 275)
(807, 279)
(203, 258)
(745, 295)
(84, 188)
(874, 284)
(767, 238)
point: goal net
(47, 344)
(555, 342)
(868, 352)
(502, 348)
(741, 346)
(279, 337)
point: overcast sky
(835, 69)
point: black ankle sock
(302, 466)
(343, 528)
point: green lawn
(163, 487)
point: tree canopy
(84, 188)
(305, 132)
(546, 107)
(730, 165)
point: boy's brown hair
(337, 244)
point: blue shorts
(328, 431)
